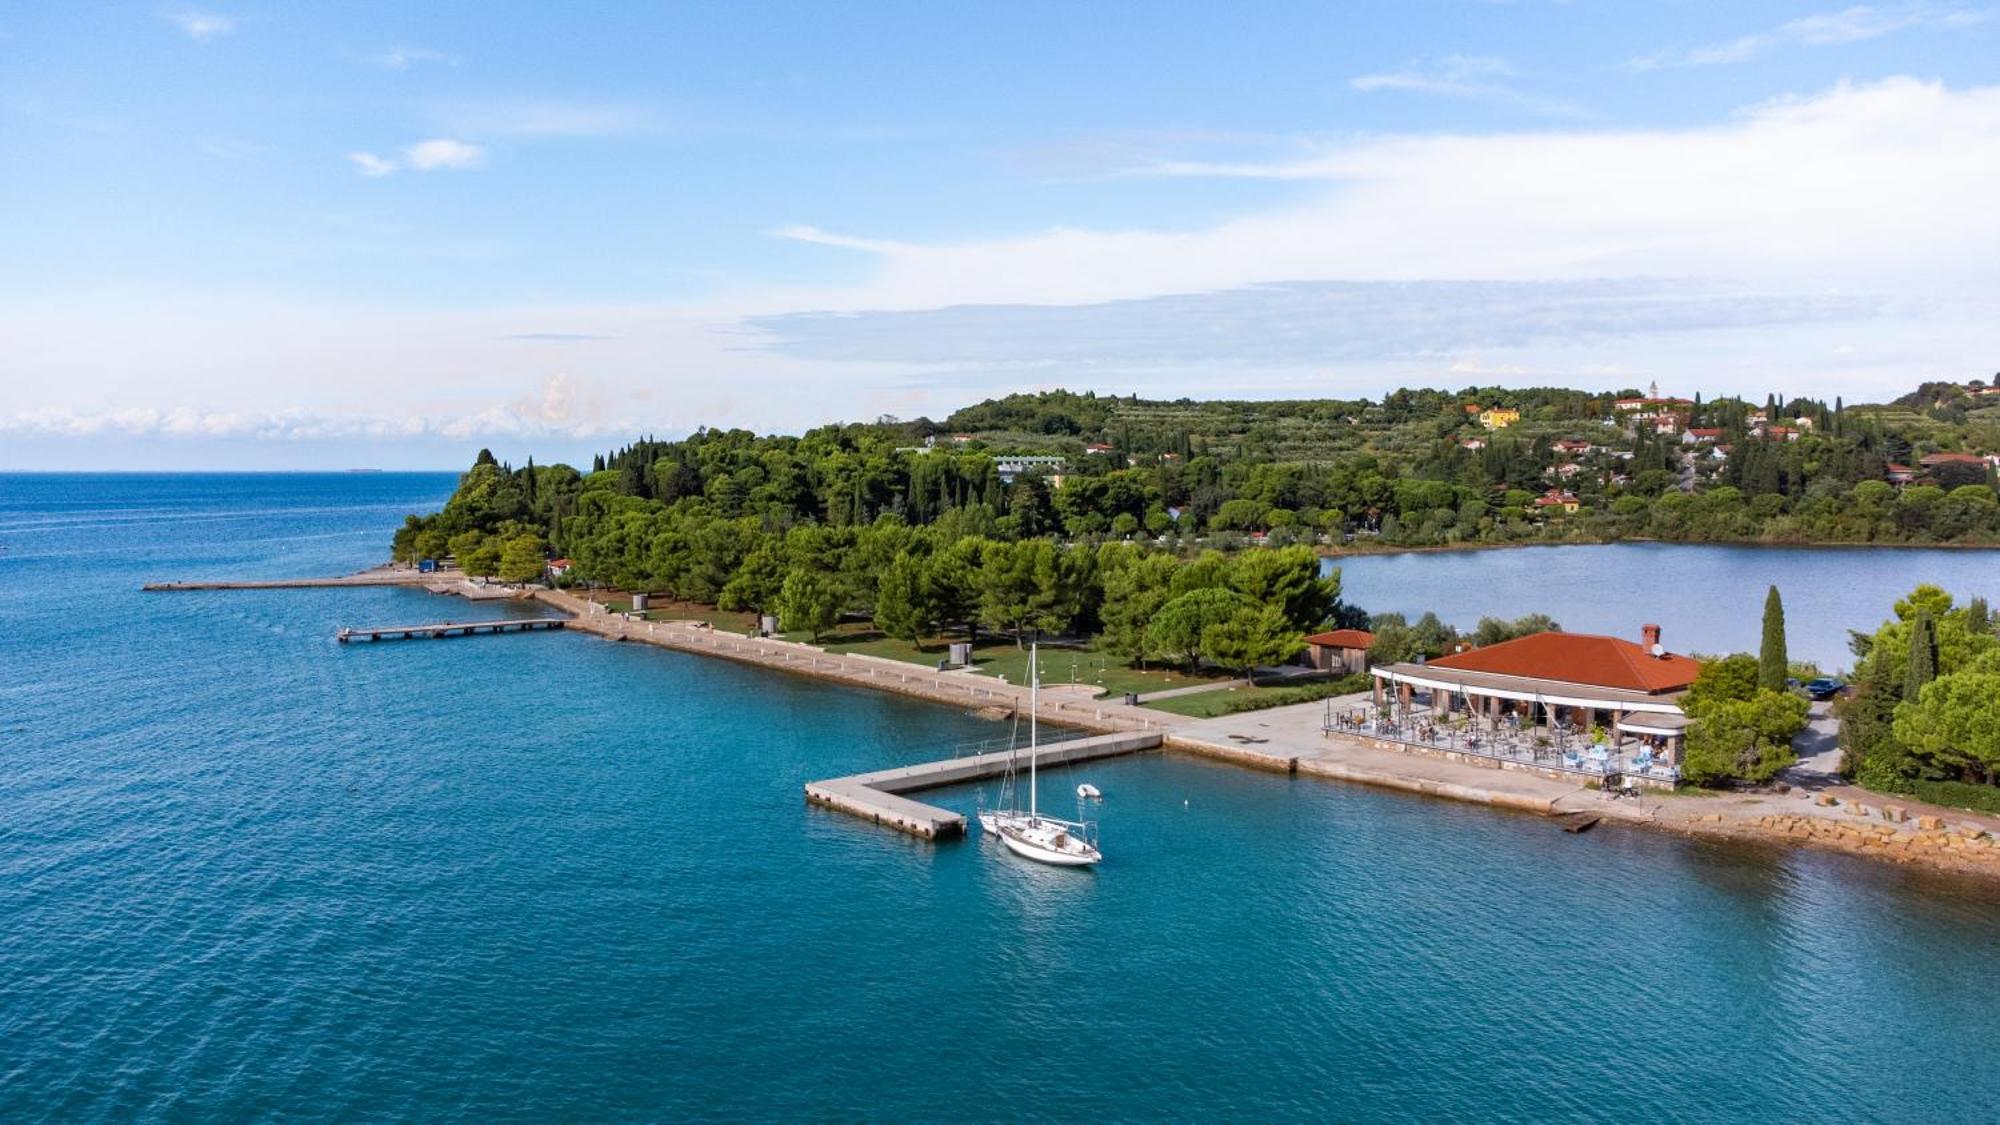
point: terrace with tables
(1596, 706)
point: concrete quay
(374, 576)
(878, 796)
(1290, 740)
(956, 688)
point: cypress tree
(1773, 664)
(1922, 668)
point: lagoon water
(248, 873)
(1708, 598)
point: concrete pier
(376, 576)
(877, 796)
(447, 629)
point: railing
(1561, 748)
(1047, 737)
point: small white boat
(1088, 792)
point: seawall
(1958, 843)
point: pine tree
(1922, 668)
(900, 609)
(1773, 664)
(1979, 616)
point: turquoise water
(248, 873)
(1709, 599)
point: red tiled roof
(1579, 658)
(1343, 638)
(1930, 459)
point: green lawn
(658, 610)
(1230, 700)
(1061, 664)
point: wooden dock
(447, 629)
(878, 796)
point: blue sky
(260, 235)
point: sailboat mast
(1034, 709)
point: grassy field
(1230, 700)
(659, 610)
(1060, 664)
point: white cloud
(405, 57)
(436, 154)
(370, 164)
(442, 152)
(1469, 77)
(1860, 217)
(560, 407)
(1826, 29)
(199, 26)
(1851, 187)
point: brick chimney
(1649, 637)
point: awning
(1655, 724)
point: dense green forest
(843, 518)
(1418, 468)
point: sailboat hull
(1050, 844)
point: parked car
(1826, 687)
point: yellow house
(1556, 498)
(1499, 418)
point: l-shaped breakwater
(879, 795)
(1849, 820)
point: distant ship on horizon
(364, 470)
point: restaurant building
(1574, 682)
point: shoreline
(1347, 552)
(1857, 822)
(1947, 840)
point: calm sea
(246, 873)
(1709, 599)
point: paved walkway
(1278, 736)
(856, 668)
(1818, 748)
(1291, 739)
(1192, 689)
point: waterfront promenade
(958, 688)
(1292, 740)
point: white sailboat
(1044, 839)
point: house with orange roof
(1933, 460)
(1601, 704)
(1341, 651)
(1558, 498)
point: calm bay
(247, 872)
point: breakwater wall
(879, 796)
